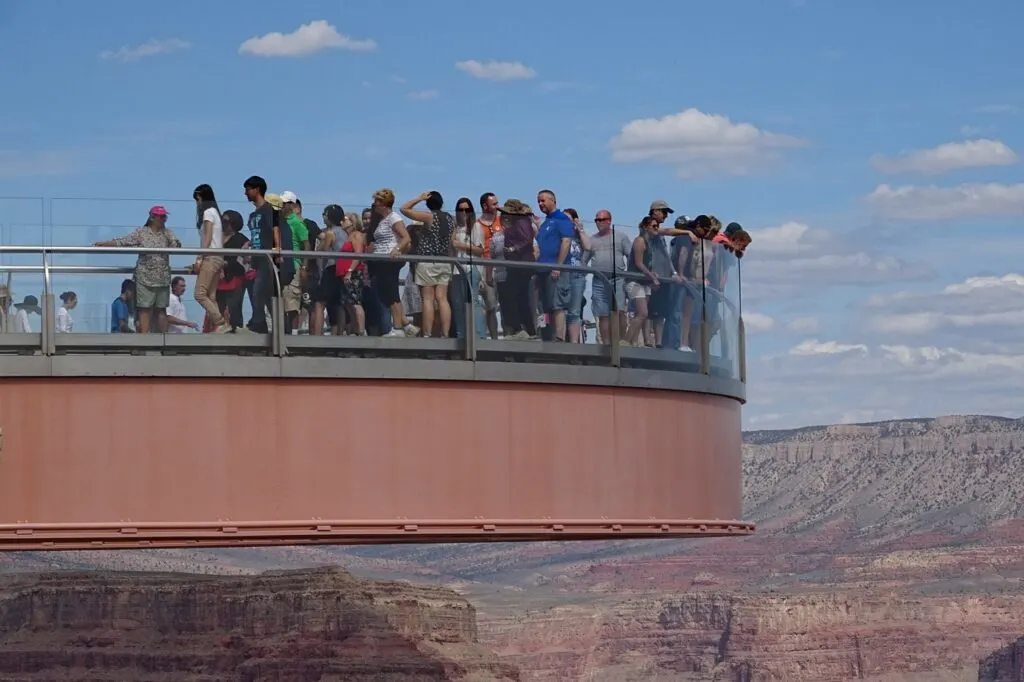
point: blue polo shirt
(118, 313)
(553, 230)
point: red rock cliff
(282, 626)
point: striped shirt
(384, 237)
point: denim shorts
(601, 296)
(577, 286)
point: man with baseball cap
(292, 293)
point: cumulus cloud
(794, 260)
(948, 157)
(973, 200)
(804, 325)
(307, 39)
(829, 381)
(496, 71)
(150, 48)
(696, 143)
(978, 304)
(755, 322)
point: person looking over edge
(261, 236)
(554, 237)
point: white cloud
(696, 143)
(795, 260)
(422, 95)
(804, 325)
(974, 305)
(150, 48)
(829, 381)
(496, 71)
(755, 322)
(948, 157)
(998, 109)
(948, 203)
(305, 40)
(16, 164)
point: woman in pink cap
(152, 270)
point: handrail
(278, 337)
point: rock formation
(1004, 665)
(282, 626)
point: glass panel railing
(21, 282)
(694, 307)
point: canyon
(891, 552)
(320, 624)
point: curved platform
(153, 440)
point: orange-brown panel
(255, 451)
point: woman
(353, 276)
(152, 270)
(5, 306)
(327, 292)
(468, 245)
(639, 290)
(518, 318)
(68, 301)
(390, 238)
(232, 285)
(577, 280)
(209, 269)
(22, 324)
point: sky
(873, 150)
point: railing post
(47, 328)
(741, 349)
(277, 327)
(705, 346)
(614, 332)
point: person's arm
(566, 230)
(133, 238)
(584, 237)
(182, 323)
(416, 214)
(639, 247)
(398, 227)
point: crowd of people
(519, 270)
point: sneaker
(223, 329)
(395, 333)
(410, 329)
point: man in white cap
(292, 293)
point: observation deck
(112, 440)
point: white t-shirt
(211, 215)
(175, 308)
(21, 323)
(64, 321)
(384, 237)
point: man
(121, 313)
(261, 235)
(609, 254)
(554, 237)
(490, 225)
(177, 316)
(312, 265)
(665, 304)
(292, 293)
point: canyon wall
(290, 625)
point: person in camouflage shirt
(152, 270)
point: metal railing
(278, 336)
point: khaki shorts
(433, 274)
(635, 290)
(490, 296)
(152, 297)
(291, 296)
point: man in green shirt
(300, 239)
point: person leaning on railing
(152, 270)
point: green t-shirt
(300, 233)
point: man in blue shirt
(121, 309)
(553, 238)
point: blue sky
(818, 125)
